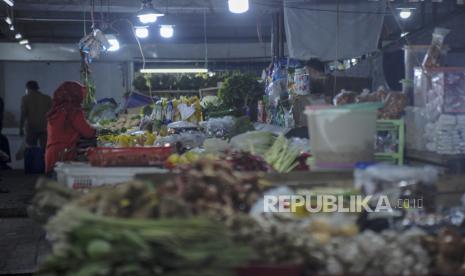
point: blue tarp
(138, 100)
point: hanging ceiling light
(238, 6)
(167, 31)
(9, 2)
(147, 14)
(28, 47)
(23, 42)
(142, 32)
(12, 28)
(113, 41)
(405, 13)
(8, 20)
(18, 36)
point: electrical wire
(205, 37)
(401, 27)
(101, 13)
(140, 48)
(259, 34)
(135, 36)
(337, 48)
(92, 9)
(84, 21)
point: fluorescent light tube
(9, 2)
(174, 70)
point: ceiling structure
(63, 21)
(196, 21)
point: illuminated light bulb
(142, 32)
(114, 43)
(238, 6)
(405, 13)
(166, 31)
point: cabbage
(255, 142)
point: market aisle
(22, 241)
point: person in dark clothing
(34, 108)
(4, 143)
(4, 146)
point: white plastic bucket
(341, 137)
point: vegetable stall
(180, 184)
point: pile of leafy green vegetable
(242, 91)
(281, 156)
(177, 81)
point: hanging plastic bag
(433, 56)
(20, 152)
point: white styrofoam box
(82, 176)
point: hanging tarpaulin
(332, 29)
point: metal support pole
(275, 35)
(281, 34)
(435, 12)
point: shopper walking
(66, 124)
(34, 109)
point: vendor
(66, 124)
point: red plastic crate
(128, 157)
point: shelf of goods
(390, 141)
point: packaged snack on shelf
(398, 182)
(345, 97)
(302, 81)
(433, 56)
(394, 103)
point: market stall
(171, 177)
(217, 157)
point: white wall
(110, 80)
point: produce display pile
(209, 219)
(122, 124)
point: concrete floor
(22, 241)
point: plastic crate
(396, 130)
(127, 157)
(82, 176)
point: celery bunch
(281, 156)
